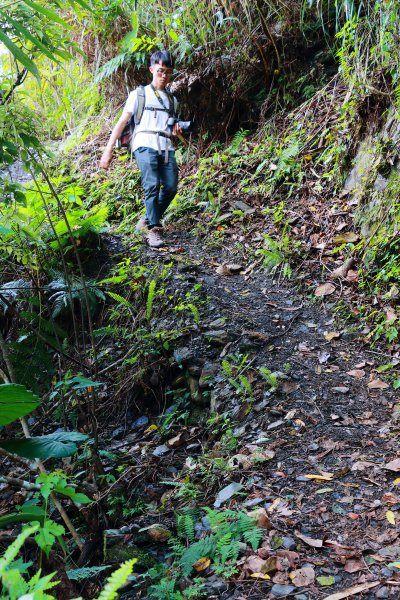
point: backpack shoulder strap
(172, 102)
(141, 97)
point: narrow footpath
(313, 445)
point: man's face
(161, 75)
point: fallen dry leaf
(255, 564)
(378, 384)
(393, 465)
(391, 517)
(345, 238)
(289, 555)
(289, 386)
(391, 314)
(176, 441)
(356, 373)
(303, 577)
(355, 589)
(352, 276)
(390, 499)
(260, 576)
(324, 290)
(354, 566)
(326, 477)
(202, 564)
(342, 271)
(310, 541)
(262, 519)
(331, 335)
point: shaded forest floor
(300, 420)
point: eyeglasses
(165, 72)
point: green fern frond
(119, 299)
(226, 367)
(150, 298)
(246, 384)
(15, 547)
(237, 141)
(253, 537)
(204, 547)
(85, 572)
(116, 580)
(112, 66)
(185, 523)
(12, 290)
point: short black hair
(161, 58)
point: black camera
(186, 126)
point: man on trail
(151, 144)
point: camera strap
(157, 94)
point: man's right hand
(106, 159)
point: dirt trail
(326, 434)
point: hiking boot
(155, 238)
(142, 225)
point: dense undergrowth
(88, 324)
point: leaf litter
(310, 461)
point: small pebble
(383, 592)
(281, 591)
(288, 543)
(161, 450)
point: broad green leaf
(27, 34)
(81, 383)
(15, 402)
(5, 230)
(46, 535)
(21, 517)
(67, 436)
(71, 493)
(19, 55)
(45, 446)
(47, 13)
(173, 35)
(326, 580)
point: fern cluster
(228, 529)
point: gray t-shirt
(151, 120)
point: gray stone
(140, 422)
(239, 205)
(207, 374)
(288, 543)
(253, 502)
(382, 592)
(301, 597)
(281, 591)
(275, 425)
(226, 493)
(218, 323)
(161, 450)
(183, 355)
(217, 337)
(216, 587)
